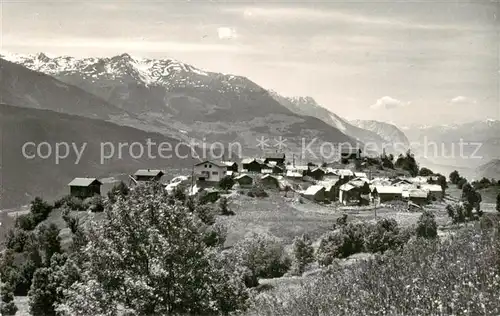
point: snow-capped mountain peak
(124, 66)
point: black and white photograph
(249, 158)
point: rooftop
(148, 172)
(83, 182)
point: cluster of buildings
(317, 183)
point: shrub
(50, 242)
(257, 191)
(40, 209)
(226, 183)
(17, 239)
(263, 256)
(461, 183)
(425, 172)
(341, 243)
(26, 222)
(498, 203)
(382, 236)
(71, 202)
(427, 226)
(456, 276)
(118, 190)
(303, 254)
(455, 177)
(7, 305)
(224, 207)
(96, 204)
(215, 235)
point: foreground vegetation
(456, 276)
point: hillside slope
(22, 179)
(388, 132)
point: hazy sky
(419, 62)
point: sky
(414, 62)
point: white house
(435, 190)
(212, 171)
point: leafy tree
(26, 222)
(472, 197)
(303, 254)
(382, 236)
(224, 207)
(179, 194)
(263, 256)
(426, 225)
(49, 240)
(7, 305)
(148, 256)
(407, 162)
(40, 209)
(498, 203)
(454, 177)
(461, 183)
(118, 190)
(424, 172)
(96, 204)
(341, 243)
(49, 284)
(226, 183)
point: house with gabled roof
(210, 170)
(417, 196)
(251, 165)
(269, 181)
(278, 158)
(387, 193)
(435, 190)
(244, 180)
(143, 175)
(84, 187)
(315, 193)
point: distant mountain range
(189, 102)
(377, 135)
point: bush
(96, 204)
(26, 222)
(118, 190)
(40, 209)
(224, 207)
(263, 256)
(341, 243)
(258, 192)
(427, 226)
(424, 172)
(461, 183)
(70, 202)
(455, 177)
(382, 236)
(456, 276)
(303, 254)
(17, 239)
(7, 305)
(226, 183)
